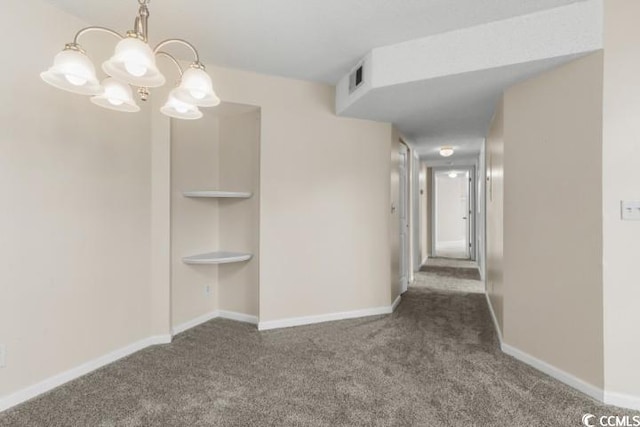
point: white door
(468, 211)
(404, 221)
(453, 219)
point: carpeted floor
(439, 282)
(456, 272)
(434, 362)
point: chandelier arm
(100, 29)
(182, 42)
(173, 59)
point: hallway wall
(494, 160)
(553, 218)
(621, 173)
(394, 215)
(424, 209)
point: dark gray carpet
(435, 362)
(455, 272)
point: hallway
(435, 362)
(443, 274)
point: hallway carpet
(455, 272)
(435, 362)
(437, 282)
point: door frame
(472, 202)
(404, 154)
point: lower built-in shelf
(220, 257)
(218, 194)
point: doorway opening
(453, 213)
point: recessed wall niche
(215, 208)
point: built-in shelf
(220, 257)
(218, 194)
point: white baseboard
(321, 318)
(74, 373)
(195, 322)
(395, 303)
(496, 325)
(610, 398)
(622, 400)
(572, 381)
(238, 317)
(223, 314)
(562, 376)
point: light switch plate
(630, 210)
(3, 355)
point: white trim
(195, 322)
(320, 318)
(395, 303)
(238, 317)
(87, 367)
(562, 376)
(57, 380)
(223, 314)
(496, 325)
(622, 400)
(610, 398)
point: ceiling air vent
(356, 78)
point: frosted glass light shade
(74, 72)
(446, 151)
(180, 110)
(134, 63)
(117, 96)
(196, 88)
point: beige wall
(494, 159)
(75, 222)
(424, 207)
(429, 211)
(324, 186)
(394, 215)
(240, 219)
(160, 254)
(553, 217)
(324, 200)
(195, 165)
(218, 152)
(621, 173)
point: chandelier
(132, 64)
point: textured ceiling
(318, 40)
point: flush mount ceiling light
(446, 151)
(453, 174)
(132, 64)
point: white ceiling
(318, 40)
(453, 110)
